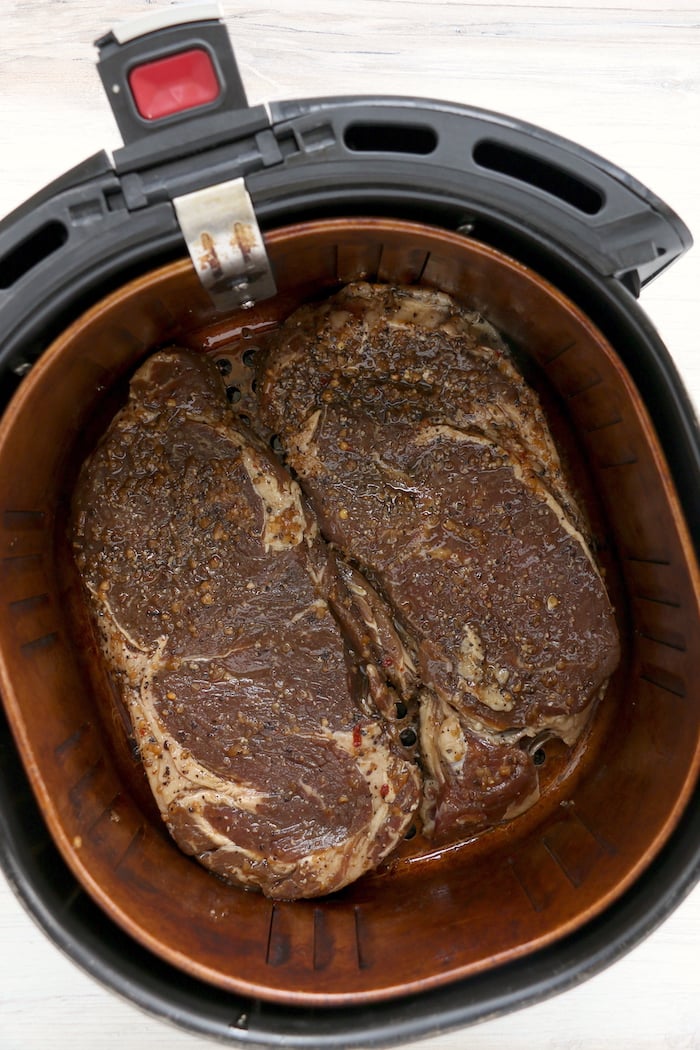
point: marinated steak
(258, 726)
(429, 465)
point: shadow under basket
(428, 917)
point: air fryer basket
(504, 894)
(432, 939)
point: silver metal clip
(226, 245)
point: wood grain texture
(621, 79)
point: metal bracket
(225, 244)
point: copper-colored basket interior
(426, 917)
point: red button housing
(174, 84)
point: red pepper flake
(357, 735)
(384, 790)
(387, 662)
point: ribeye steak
(428, 462)
(258, 726)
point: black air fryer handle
(501, 169)
(546, 201)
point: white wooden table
(620, 78)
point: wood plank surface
(622, 79)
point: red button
(174, 84)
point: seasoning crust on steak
(428, 462)
(259, 732)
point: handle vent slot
(523, 166)
(383, 137)
(31, 251)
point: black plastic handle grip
(546, 200)
(355, 149)
(500, 168)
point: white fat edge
(304, 437)
(471, 654)
(470, 660)
(521, 805)
(349, 577)
(430, 716)
(394, 630)
(429, 720)
(321, 871)
(339, 866)
(378, 634)
(412, 293)
(191, 802)
(317, 606)
(497, 420)
(451, 742)
(284, 522)
(569, 727)
(355, 587)
(408, 659)
(119, 638)
(190, 787)
(119, 635)
(471, 667)
(426, 310)
(378, 685)
(538, 441)
(432, 308)
(496, 736)
(443, 744)
(415, 307)
(546, 496)
(235, 871)
(301, 451)
(317, 578)
(188, 778)
(536, 432)
(395, 478)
